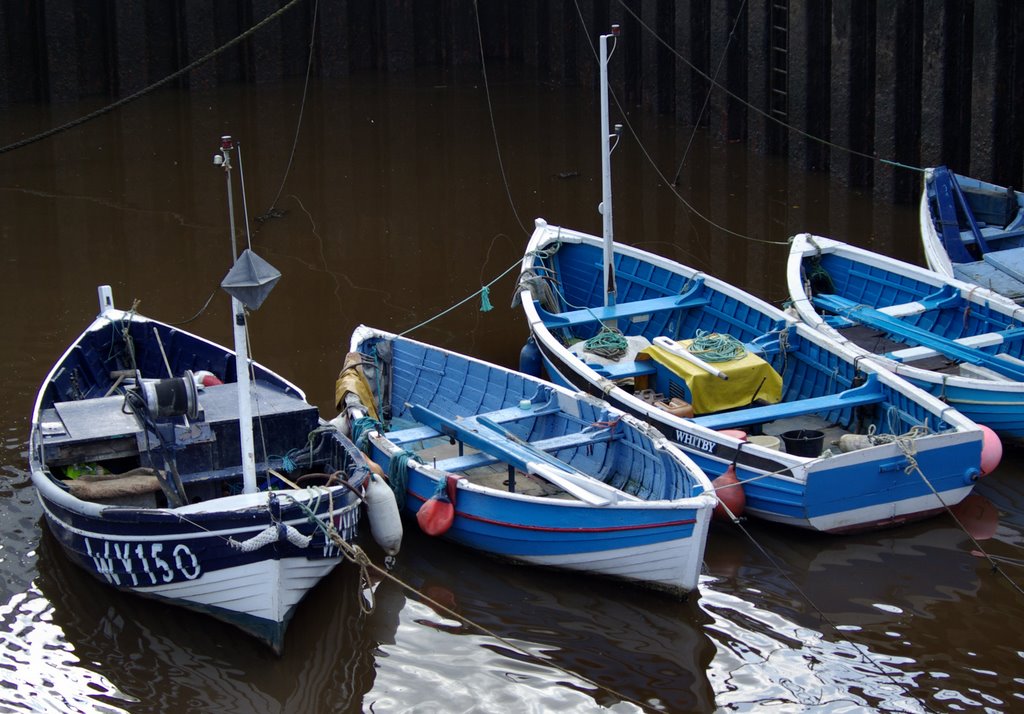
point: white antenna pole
(241, 342)
(606, 175)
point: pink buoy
(734, 433)
(206, 378)
(991, 450)
(730, 495)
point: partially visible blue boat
(525, 470)
(959, 341)
(974, 231)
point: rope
(156, 85)
(758, 110)
(398, 473)
(859, 649)
(490, 111)
(461, 302)
(609, 343)
(981, 551)
(274, 211)
(654, 165)
(707, 97)
(271, 534)
(716, 347)
(361, 429)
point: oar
(510, 452)
(950, 348)
(575, 475)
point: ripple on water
(39, 669)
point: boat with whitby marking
(731, 379)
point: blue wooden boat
(863, 449)
(527, 471)
(961, 342)
(143, 457)
(974, 230)
(789, 380)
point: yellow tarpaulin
(710, 393)
(352, 379)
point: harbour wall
(864, 90)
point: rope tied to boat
(361, 429)
(716, 347)
(398, 473)
(271, 534)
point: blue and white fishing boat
(862, 449)
(974, 230)
(958, 341)
(517, 468)
(786, 380)
(143, 455)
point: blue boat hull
(937, 314)
(838, 493)
(651, 526)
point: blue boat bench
(868, 393)
(634, 308)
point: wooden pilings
(861, 89)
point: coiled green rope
(717, 347)
(609, 343)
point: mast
(606, 173)
(227, 144)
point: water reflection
(894, 619)
(552, 635)
(164, 659)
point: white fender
(382, 510)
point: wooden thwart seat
(867, 393)
(635, 308)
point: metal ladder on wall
(778, 101)
(778, 54)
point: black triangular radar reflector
(250, 280)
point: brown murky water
(396, 210)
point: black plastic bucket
(803, 442)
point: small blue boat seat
(634, 308)
(1010, 261)
(894, 326)
(985, 339)
(868, 393)
(543, 402)
(626, 370)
